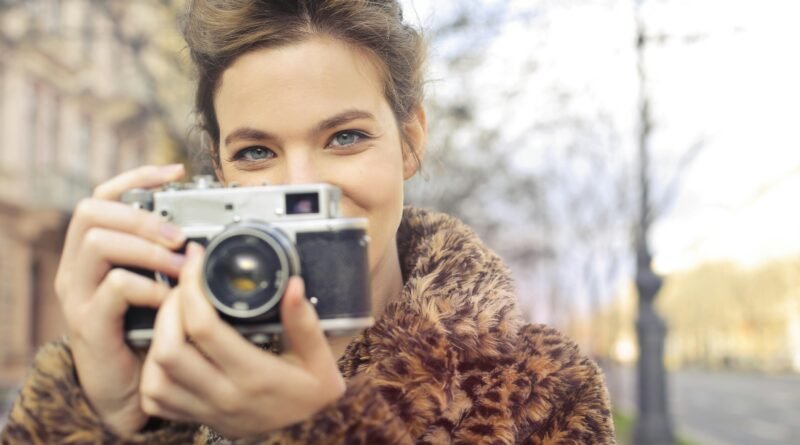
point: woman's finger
(180, 360)
(302, 330)
(153, 409)
(148, 176)
(102, 249)
(122, 288)
(119, 217)
(231, 352)
(160, 397)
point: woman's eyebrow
(342, 118)
(248, 134)
(252, 134)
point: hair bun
(393, 6)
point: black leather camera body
(256, 238)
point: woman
(297, 92)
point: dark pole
(653, 425)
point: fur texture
(449, 362)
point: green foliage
(623, 425)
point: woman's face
(315, 112)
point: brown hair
(219, 31)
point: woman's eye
(346, 138)
(254, 154)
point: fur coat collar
(450, 361)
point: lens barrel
(247, 267)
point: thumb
(302, 330)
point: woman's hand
(94, 296)
(200, 369)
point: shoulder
(552, 363)
(455, 285)
(560, 392)
(542, 390)
(545, 350)
(541, 359)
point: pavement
(723, 408)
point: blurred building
(720, 315)
(75, 109)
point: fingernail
(177, 260)
(171, 232)
(193, 250)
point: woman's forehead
(311, 80)
(319, 66)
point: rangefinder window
(302, 203)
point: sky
(727, 77)
(738, 90)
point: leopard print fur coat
(449, 362)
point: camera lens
(247, 267)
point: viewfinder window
(302, 203)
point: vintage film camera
(256, 238)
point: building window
(33, 125)
(7, 322)
(140, 151)
(77, 179)
(50, 15)
(54, 130)
(87, 35)
(83, 146)
(3, 105)
(113, 154)
(46, 127)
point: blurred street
(721, 408)
(737, 408)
